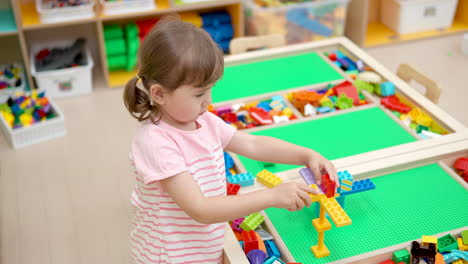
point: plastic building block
(272, 249)
(346, 181)
(360, 186)
(328, 186)
(309, 110)
(316, 197)
(59, 58)
(268, 179)
(215, 18)
(261, 243)
(344, 102)
(388, 261)
(273, 260)
(417, 252)
(362, 85)
(256, 256)
(235, 225)
(336, 213)
(243, 179)
(426, 240)
(401, 256)
(228, 161)
(347, 89)
(320, 252)
(387, 89)
(252, 221)
(307, 175)
(241, 243)
(394, 104)
(260, 116)
(250, 240)
(462, 164)
(232, 189)
(446, 243)
(455, 255)
(462, 246)
(264, 234)
(464, 235)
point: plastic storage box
(64, 82)
(409, 16)
(61, 14)
(299, 22)
(35, 133)
(128, 6)
(5, 93)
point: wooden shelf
(30, 18)
(7, 23)
(379, 34)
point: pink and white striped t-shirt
(162, 232)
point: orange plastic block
(261, 244)
(250, 240)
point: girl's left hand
(320, 165)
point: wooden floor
(67, 200)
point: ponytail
(138, 102)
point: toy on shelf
(122, 46)
(22, 110)
(366, 79)
(334, 97)
(60, 58)
(218, 24)
(114, 7)
(54, 11)
(332, 203)
(461, 167)
(253, 114)
(11, 78)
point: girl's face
(184, 105)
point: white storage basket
(63, 82)
(128, 6)
(35, 133)
(55, 15)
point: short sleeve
(156, 156)
(223, 129)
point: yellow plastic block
(429, 239)
(420, 118)
(192, 18)
(460, 261)
(268, 179)
(320, 253)
(251, 104)
(316, 197)
(287, 112)
(462, 246)
(336, 212)
(321, 226)
(232, 171)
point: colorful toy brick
(243, 179)
(360, 186)
(328, 186)
(336, 213)
(464, 235)
(272, 249)
(273, 260)
(264, 234)
(418, 252)
(446, 243)
(401, 256)
(461, 164)
(228, 161)
(344, 102)
(426, 240)
(346, 181)
(456, 255)
(261, 243)
(256, 256)
(232, 189)
(388, 261)
(316, 197)
(236, 224)
(250, 240)
(307, 175)
(252, 221)
(394, 104)
(349, 90)
(387, 89)
(268, 179)
(461, 245)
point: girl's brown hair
(174, 53)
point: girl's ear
(157, 92)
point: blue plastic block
(228, 161)
(220, 33)
(273, 260)
(387, 89)
(360, 186)
(338, 64)
(351, 65)
(307, 175)
(224, 45)
(241, 243)
(339, 54)
(215, 18)
(243, 179)
(325, 109)
(272, 249)
(344, 64)
(346, 181)
(454, 255)
(301, 18)
(265, 105)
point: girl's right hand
(292, 196)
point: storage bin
(5, 93)
(67, 13)
(126, 6)
(409, 16)
(299, 22)
(63, 82)
(35, 133)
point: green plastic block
(252, 221)
(115, 47)
(401, 256)
(116, 62)
(420, 128)
(447, 243)
(396, 113)
(362, 85)
(267, 164)
(344, 102)
(355, 72)
(327, 103)
(464, 235)
(112, 32)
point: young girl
(180, 197)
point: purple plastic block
(223, 110)
(256, 256)
(236, 224)
(307, 175)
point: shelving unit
(364, 26)
(23, 19)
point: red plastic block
(328, 186)
(465, 176)
(232, 188)
(394, 104)
(332, 56)
(250, 240)
(349, 90)
(387, 262)
(260, 116)
(230, 117)
(461, 164)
